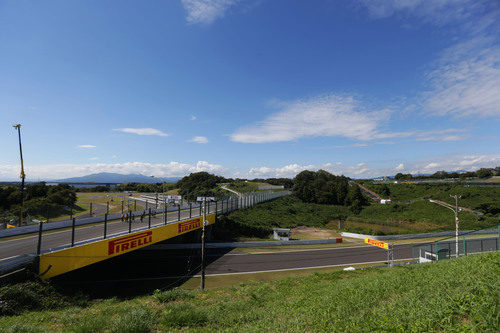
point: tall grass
(452, 295)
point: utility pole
(203, 245)
(18, 128)
(456, 222)
(203, 206)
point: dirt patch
(305, 233)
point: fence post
(149, 218)
(200, 210)
(190, 209)
(465, 245)
(216, 208)
(39, 246)
(129, 225)
(105, 224)
(73, 232)
(179, 212)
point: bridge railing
(113, 225)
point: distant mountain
(107, 177)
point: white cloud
(56, 171)
(85, 146)
(142, 131)
(466, 81)
(329, 115)
(199, 139)
(206, 11)
(431, 11)
(333, 115)
(94, 158)
(291, 170)
(192, 117)
(466, 162)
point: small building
(385, 201)
(281, 234)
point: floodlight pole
(455, 211)
(456, 222)
(18, 128)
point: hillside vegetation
(482, 199)
(454, 295)
(285, 212)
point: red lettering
(133, 244)
(124, 246)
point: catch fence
(478, 241)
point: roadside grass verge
(453, 295)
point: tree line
(39, 199)
(481, 173)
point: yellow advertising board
(62, 261)
(377, 243)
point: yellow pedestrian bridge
(65, 260)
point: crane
(18, 128)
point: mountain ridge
(109, 177)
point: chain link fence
(478, 241)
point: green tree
(484, 173)
(200, 184)
(320, 187)
(385, 191)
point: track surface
(239, 263)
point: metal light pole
(455, 211)
(203, 245)
(18, 127)
(456, 222)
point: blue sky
(249, 88)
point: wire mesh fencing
(478, 241)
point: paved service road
(28, 244)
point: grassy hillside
(472, 196)
(243, 187)
(396, 218)
(454, 295)
(285, 212)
